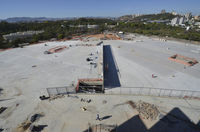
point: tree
(60, 36)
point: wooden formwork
(90, 83)
(183, 60)
(57, 49)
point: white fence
(153, 92)
(132, 91)
(60, 90)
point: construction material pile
(55, 49)
(183, 60)
(2, 109)
(56, 97)
(147, 111)
(102, 128)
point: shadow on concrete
(174, 121)
(38, 128)
(6, 99)
(111, 78)
(105, 117)
(198, 124)
(1, 89)
(134, 124)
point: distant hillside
(41, 19)
(32, 19)
(165, 16)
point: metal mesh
(154, 92)
(60, 90)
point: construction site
(109, 82)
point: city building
(197, 23)
(175, 21)
(13, 36)
(92, 26)
(196, 17)
(191, 21)
(188, 16)
(163, 11)
(178, 21)
(111, 26)
(182, 20)
(159, 21)
(84, 26)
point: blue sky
(82, 8)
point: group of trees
(52, 29)
(63, 29)
(148, 17)
(164, 16)
(159, 29)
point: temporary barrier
(61, 90)
(154, 92)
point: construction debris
(2, 109)
(28, 123)
(102, 128)
(56, 97)
(43, 97)
(37, 128)
(104, 101)
(86, 100)
(36, 117)
(147, 111)
(83, 109)
(132, 104)
(183, 60)
(56, 49)
(89, 59)
(153, 76)
(110, 36)
(73, 96)
(24, 126)
(89, 85)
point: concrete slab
(22, 84)
(137, 61)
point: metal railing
(60, 90)
(147, 91)
(161, 92)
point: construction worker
(98, 117)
